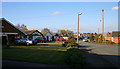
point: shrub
(65, 44)
(91, 38)
(104, 41)
(119, 42)
(96, 39)
(101, 39)
(75, 58)
(111, 41)
(71, 39)
(70, 45)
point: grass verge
(35, 54)
(38, 54)
(48, 44)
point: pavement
(98, 55)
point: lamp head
(80, 14)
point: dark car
(41, 39)
(26, 41)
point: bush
(101, 39)
(96, 39)
(104, 41)
(65, 44)
(75, 58)
(91, 38)
(111, 41)
(71, 39)
(119, 42)
(69, 45)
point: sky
(62, 15)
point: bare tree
(22, 27)
(46, 30)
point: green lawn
(35, 54)
(48, 44)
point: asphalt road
(101, 49)
(12, 64)
(108, 53)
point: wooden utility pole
(98, 30)
(102, 22)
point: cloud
(115, 8)
(56, 13)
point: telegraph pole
(102, 22)
(98, 30)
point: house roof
(29, 32)
(45, 32)
(53, 33)
(115, 33)
(12, 25)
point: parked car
(107, 41)
(85, 40)
(26, 41)
(41, 39)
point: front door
(47, 38)
(4, 40)
(52, 38)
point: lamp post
(78, 28)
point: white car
(26, 41)
(85, 40)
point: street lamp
(78, 28)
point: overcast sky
(62, 15)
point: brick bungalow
(33, 34)
(9, 32)
(114, 36)
(48, 35)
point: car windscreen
(38, 38)
(30, 38)
(23, 39)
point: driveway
(105, 54)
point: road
(12, 64)
(108, 53)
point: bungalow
(48, 35)
(114, 36)
(9, 32)
(33, 34)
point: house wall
(108, 38)
(114, 39)
(34, 35)
(9, 28)
(49, 36)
